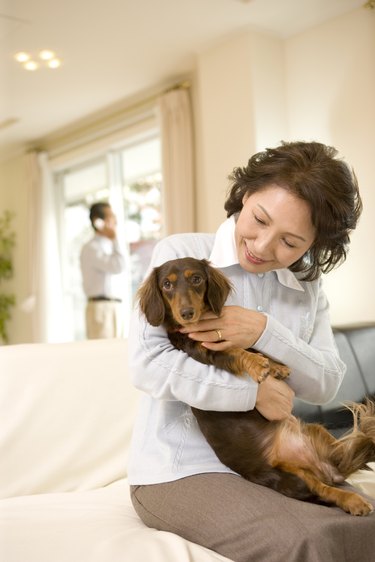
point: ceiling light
(22, 56)
(46, 54)
(30, 65)
(54, 63)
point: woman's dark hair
(313, 172)
(97, 211)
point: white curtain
(177, 161)
(45, 298)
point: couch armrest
(356, 346)
(67, 413)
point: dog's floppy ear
(218, 287)
(150, 299)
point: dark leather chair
(356, 345)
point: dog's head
(180, 291)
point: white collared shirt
(102, 266)
(167, 443)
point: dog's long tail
(354, 450)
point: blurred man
(102, 266)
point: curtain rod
(91, 130)
(185, 85)
(90, 127)
(151, 99)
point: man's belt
(103, 298)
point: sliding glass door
(129, 178)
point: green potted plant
(7, 242)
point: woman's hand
(241, 327)
(235, 327)
(274, 399)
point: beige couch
(66, 417)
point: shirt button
(261, 275)
(259, 308)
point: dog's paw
(261, 369)
(278, 370)
(356, 505)
(256, 365)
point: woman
(290, 212)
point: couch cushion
(92, 526)
(66, 412)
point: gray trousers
(251, 523)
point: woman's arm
(316, 369)
(165, 373)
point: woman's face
(273, 230)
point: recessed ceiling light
(54, 63)
(22, 56)
(46, 54)
(30, 65)
(46, 58)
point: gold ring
(219, 335)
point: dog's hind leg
(349, 501)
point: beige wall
(239, 108)
(224, 125)
(319, 85)
(13, 196)
(252, 91)
(331, 96)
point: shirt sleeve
(316, 368)
(166, 373)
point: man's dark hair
(97, 211)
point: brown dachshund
(300, 460)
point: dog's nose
(187, 313)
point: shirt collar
(103, 240)
(224, 254)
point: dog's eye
(167, 285)
(196, 279)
